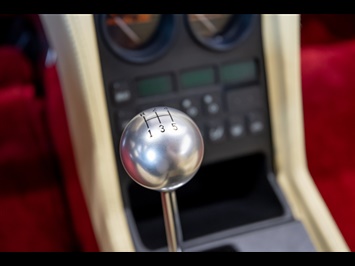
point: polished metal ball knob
(161, 148)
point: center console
(216, 75)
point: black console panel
(219, 81)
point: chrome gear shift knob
(161, 149)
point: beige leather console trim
(74, 39)
(281, 39)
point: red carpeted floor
(328, 86)
(41, 203)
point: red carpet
(41, 202)
(328, 80)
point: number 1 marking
(150, 133)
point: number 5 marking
(174, 126)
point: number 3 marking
(162, 129)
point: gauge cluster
(141, 38)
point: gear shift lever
(162, 149)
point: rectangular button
(191, 106)
(236, 126)
(212, 104)
(215, 131)
(256, 122)
(244, 99)
(120, 92)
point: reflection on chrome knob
(161, 148)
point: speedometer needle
(206, 22)
(127, 30)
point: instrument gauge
(138, 38)
(218, 31)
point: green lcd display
(197, 78)
(154, 86)
(238, 72)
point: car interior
(177, 132)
